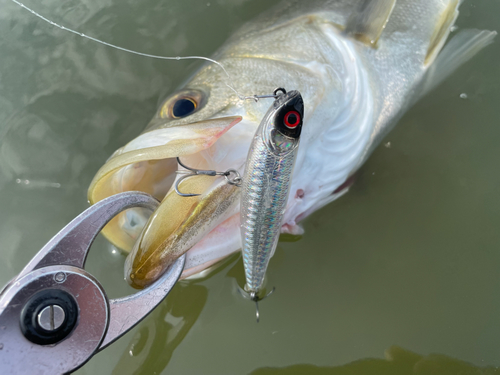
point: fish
(266, 184)
(358, 64)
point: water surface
(410, 257)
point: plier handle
(54, 316)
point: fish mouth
(148, 164)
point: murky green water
(410, 257)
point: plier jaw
(54, 316)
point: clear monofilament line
(231, 86)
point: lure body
(266, 184)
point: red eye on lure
(292, 119)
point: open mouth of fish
(148, 164)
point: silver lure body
(266, 184)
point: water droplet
(177, 57)
(387, 145)
(463, 95)
(208, 4)
(1, 346)
(18, 180)
(453, 28)
(131, 353)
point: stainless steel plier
(54, 316)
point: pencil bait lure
(266, 184)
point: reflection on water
(409, 257)
(398, 361)
(155, 341)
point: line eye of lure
(292, 119)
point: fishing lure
(266, 184)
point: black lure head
(289, 108)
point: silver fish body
(266, 184)
(358, 64)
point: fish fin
(441, 31)
(459, 50)
(368, 21)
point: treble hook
(190, 172)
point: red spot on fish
(299, 194)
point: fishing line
(231, 86)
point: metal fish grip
(54, 316)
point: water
(409, 257)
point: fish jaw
(177, 225)
(148, 164)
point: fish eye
(182, 104)
(183, 107)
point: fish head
(208, 127)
